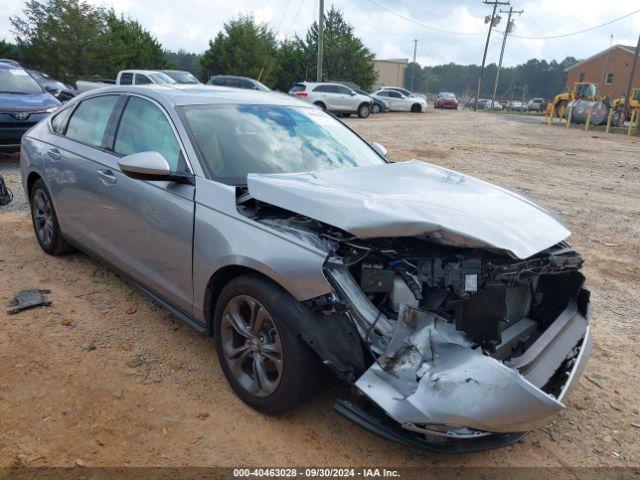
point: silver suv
(333, 97)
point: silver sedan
(455, 308)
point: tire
(281, 385)
(416, 108)
(45, 221)
(375, 108)
(364, 110)
(321, 105)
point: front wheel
(364, 110)
(416, 108)
(267, 365)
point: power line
(294, 19)
(578, 32)
(429, 27)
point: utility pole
(413, 72)
(495, 4)
(507, 31)
(627, 109)
(320, 41)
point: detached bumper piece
(433, 383)
(380, 424)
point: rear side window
(326, 89)
(142, 79)
(217, 81)
(395, 94)
(126, 79)
(383, 94)
(59, 121)
(89, 121)
(145, 128)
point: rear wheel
(45, 221)
(375, 108)
(364, 110)
(267, 365)
(321, 105)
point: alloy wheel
(43, 217)
(251, 345)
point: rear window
(126, 79)
(299, 87)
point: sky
(388, 27)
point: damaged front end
(469, 345)
(464, 348)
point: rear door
(73, 165)
(148, 228)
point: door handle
(54, 154)
(107, 177)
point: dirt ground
(106, 377)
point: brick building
(610, 69)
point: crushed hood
(415, 198)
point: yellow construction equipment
(580, 105)
(617, 114)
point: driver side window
(144, 128)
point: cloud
(190, 24)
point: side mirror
(379, 148)
(145, 166)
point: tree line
(73, 39)
(539, 77)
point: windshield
(235, 140)
(16, 80)
(183, 77)
(161, 78)
(447, 95)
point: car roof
(140, 71)
(178, 95)
(233, 76)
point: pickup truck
(128, 77)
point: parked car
(537, 105)
(516, 106)
(403, 91)
(401, 103)
(23, 103)
(61, 91)
(182, 77)
(456, 308)
(238, 82)
(129, 77)
(446, 100)
(333, 97)
(378, 105)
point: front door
(149, 229)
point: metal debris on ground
(5, 194)
(28, 299)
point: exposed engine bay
(463, 343)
